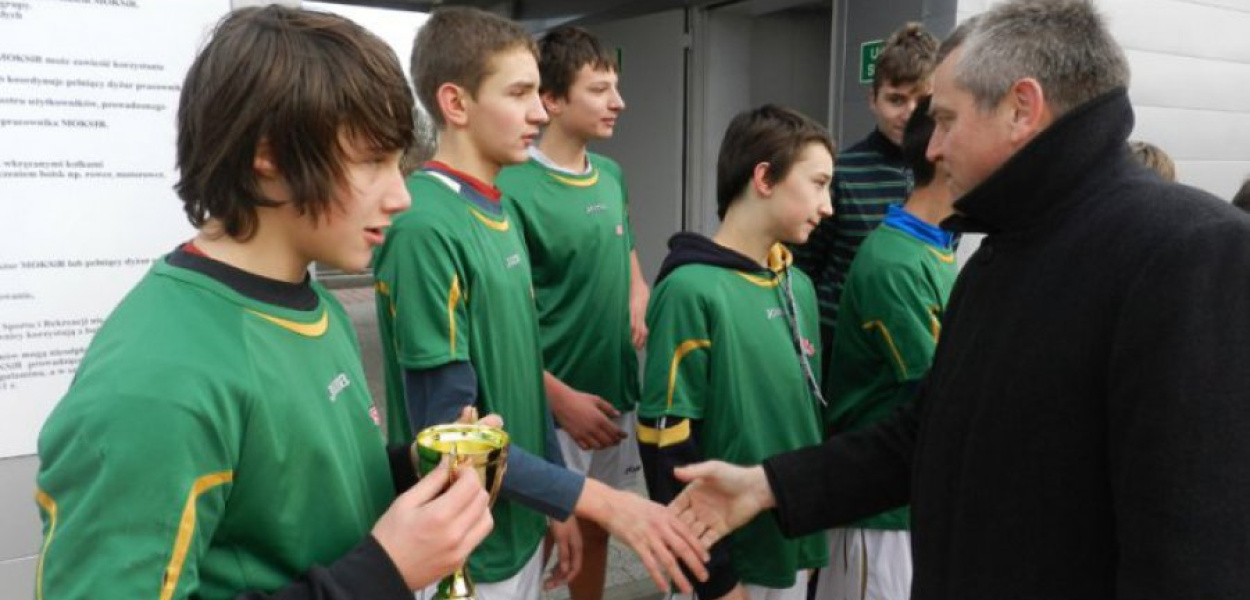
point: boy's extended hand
(720, 498)
(428, 534)
(654, 532)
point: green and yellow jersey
(211, 443)
(453, 283)
(723, 365)
(577, 231)
(888, 328)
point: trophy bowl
(484, 448)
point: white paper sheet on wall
(88, 102)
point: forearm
(664, 445)
(365, 572)
(849, 477)
(545, 487)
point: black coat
(1085, 429)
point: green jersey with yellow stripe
(209, 444)
(722, 352)
(888, 326)
(579, 239)
(454, 285)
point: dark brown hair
(909, 56)
(456, 46)
(299, 80)
(768, 134)
(916, 137)
(563, 52)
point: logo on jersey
(808, 348)
(375, 415)
(772, 313)
(512, 261)
(620, 229)
(337, 385)
(596, 208)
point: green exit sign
(868, 52)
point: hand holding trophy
(481, 446)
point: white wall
(1191, 82)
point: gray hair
(1064, 44)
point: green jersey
(579, 239)
(888, 327)
(722, 352)
(453, 285)
(209, 444)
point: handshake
(430, 530)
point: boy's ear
(761, 180)
(263, 162)
(552, 104)
(453, 101)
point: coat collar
(1041, 176)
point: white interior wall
(1190, 61)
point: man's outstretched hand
(720, 497)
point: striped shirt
(867, 178)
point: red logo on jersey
(620, 229)
(808, 348)
(377, 418)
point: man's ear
(1030, 113)
(761, 179)
(453, 101)
(263, 161)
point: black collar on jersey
(1038, 180)
(296, 296)
(691, 248)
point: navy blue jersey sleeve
(664, 444)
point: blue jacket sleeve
(438, 395)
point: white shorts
(525, 585)
(616, 466)
(866, 564)
(798, 591)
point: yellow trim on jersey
(186, 529)
(779, 258)
(489, 222)
(316, 329)
(453, 298)
(663, 438)
(885, 332)
(586, 182)
(760, 281)
(683, 349)
(49, 506)
(935, 322)
(385, 290)
(946, 257)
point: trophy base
(456, 586)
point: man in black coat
(1085, 429)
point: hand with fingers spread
(566, 541)
(587, 418)
(654, 532)
(720, 497)
(427, 532)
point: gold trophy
(483, 447)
